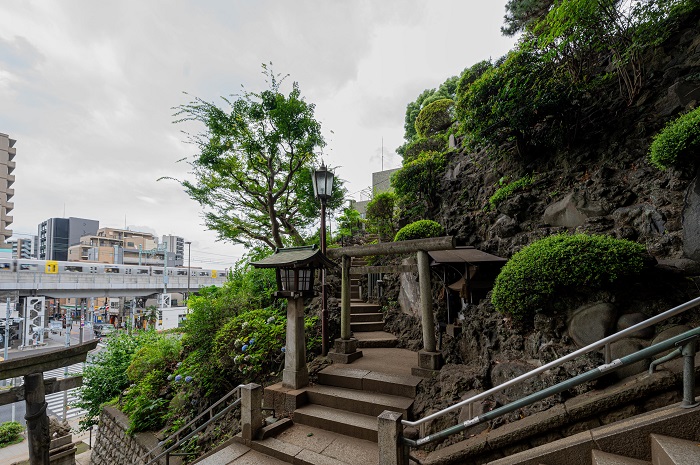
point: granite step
(604, 458)
(375, 339)
(666, 450)
(338, 421)
(356, 401)
(366, 317)
(372, 381)
(233, 453)
(366, 326)
(362, 307)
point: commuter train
(50, 267)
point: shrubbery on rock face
(420, 229)
(563, 262)
(435, 117)
(676, 140)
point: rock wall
(113, 446)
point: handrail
(176, 435)
(605, 342)
(687, 338)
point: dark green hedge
(533, 276)
(677, 139)
(420, 229)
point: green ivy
(678, 139)
(420, 229)
(506, 191)
(435, 117)
(539, 272)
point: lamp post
(189, 257)
(323, 189)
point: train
(52, 267)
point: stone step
(365, 326)
(306, 445)
(363, 307)
(365, 380)
(338, 421)
(605, 458)
(365, 317)
(353, 400)
(666, 450)
(233, 453)
(376, 339)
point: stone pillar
(295, 374)
(345, 299)
(37, 421)
(429, 360)
(251, 411)
(391, 450)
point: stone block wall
(114, 446)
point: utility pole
(7, 333)
(189, 272)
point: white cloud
(88, 90)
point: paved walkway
(18, 453)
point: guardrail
(234, 395)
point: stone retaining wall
(114, 446)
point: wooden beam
(46, 360)
(51, 386)
(384, 269)
(390, 248)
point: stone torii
(35, 388)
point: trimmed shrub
(676, 140)
(413, 149)
(435, 117)
(420, 229)
(533, 276)
(10, 432)
(506, 191)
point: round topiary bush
(533, 276)
(679, 137)
(420, 229)
(435, 117)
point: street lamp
(323, 189)
(189, 257)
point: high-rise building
(56, 235)
(176, 250)
(7, 179)
(24, 248)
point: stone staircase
(366, 319)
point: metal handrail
(604, 343)
(687, 340)
(176, 435)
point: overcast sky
(87, 90)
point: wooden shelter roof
(467, 254)
(295, 257)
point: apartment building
(176, 245)
(57, 235)
(7, 179)
(24, 248)
(124, 246)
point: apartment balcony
(7, 219)
(12, 152)
(9, 206)
(10, 193)
(10, 179)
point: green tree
(252, 172)
(521, 14)
(349, 223)
(380, 214)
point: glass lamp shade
(295, 280)
(323, 183)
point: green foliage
(506, 191)
(468, 77)
(511, 101)
(104, 378)
(417, 183)
(435, 117)
(252, 173)
(155, 356)
(535, 275)
(520, 14)
(434, 143)
(349, 223)
(143, 402)
(10, 433)
(420, 229)
(380, 214)
(446, 90)
(679, 138)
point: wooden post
(345, 299)
(37, 420)
(426, 301)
